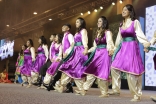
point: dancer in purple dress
(29, 58)
(41, 59)
(67, 48)
(73, 66)
(99, 62)
(44, 68)
(126, 57)
(56, 58)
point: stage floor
(15, 94)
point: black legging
(44, 68)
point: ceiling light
(120, 1)
(35, 13)
(113, 3)
(95, 10)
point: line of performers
(68, 54)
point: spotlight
(81, 14)
(113, 3)
(120, 1)
(50, 19)
(95, 10)
(101, 7)
(88, 12)
(35, 13)
(7, 25)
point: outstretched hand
(111, 52)
(85, 52)
(146, 50)
(64, 55)
(58, 60)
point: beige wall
(120, 6)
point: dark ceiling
(18, 14)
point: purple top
(102, 41)
(129, 32)
(52, 50)
(78, 37)
(56, 51)
(40, 50)
(27, 52)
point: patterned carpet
(15, 94)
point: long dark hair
(101, 30)
(43, 40)
(60, 37)
(82, 26)
(131, 11)
(31, 42)
(22, 51)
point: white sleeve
(153, 40)
(84, 38)
(50, 51)
(92, 48)
(140, 35)
(118, 39)
(32, 50)
(60, 53)
(110, 43)
(45, 47)
(71, 41)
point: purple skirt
(39, 62)
(100, 64)
(128, 59)
(27, 66)
(74, 66)
(53, 67)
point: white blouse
(32, 50)
(109, 40)
(84, 38)
(45, 47)
(50, 50)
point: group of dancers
(68, 55)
